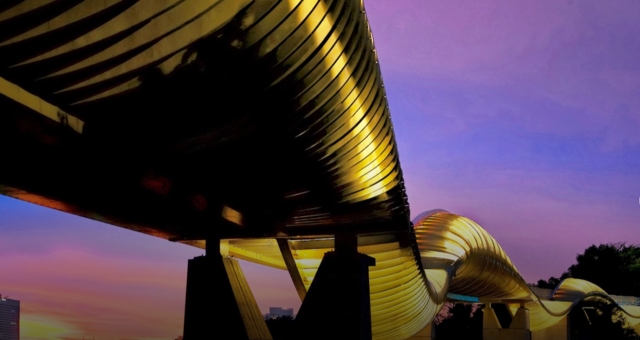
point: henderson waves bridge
(256, 130)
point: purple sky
(522, 115)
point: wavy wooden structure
(263, 123)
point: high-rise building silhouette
(276, 312)
(9, 319)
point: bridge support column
(559, 331)
(219, 303)
(518, 329)
(427, 333)
(337, 305)
(490, 324)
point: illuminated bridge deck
(263, 124)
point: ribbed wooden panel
(253, 320)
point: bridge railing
(623, 300)
(543, 293)
(626, 300)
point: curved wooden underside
(262, 118)
(240, 119)
(458, 258)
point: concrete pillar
(427, 333)
(219, 303)
(519, 328)
(490, 324)
(521, 319)
(337, 305)
(559, 331)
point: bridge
(256, 130)
(460, 257)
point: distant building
(9, 319)
(276, 312)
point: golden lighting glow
(46, 327)
(167, 29)
(319, 54)
(458, 256)
(232, 215)
(340, 97)
(14, 92)
(322, 53)
(401, 303)
(481, 266)
(482, 269)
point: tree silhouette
(553, 281)
(282, 328)
(597, 318)
(614, 267)
(459, 321)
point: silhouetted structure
(259, 130)
(9, 319)
(276, 312)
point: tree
(615, 267)
(459, 321)
(282, 327)
(597, 318)
(553, 281)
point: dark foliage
(597, 318)
(553, 281)
(463, 322)
(614, 267)
(282, 328)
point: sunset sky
(522, 115)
